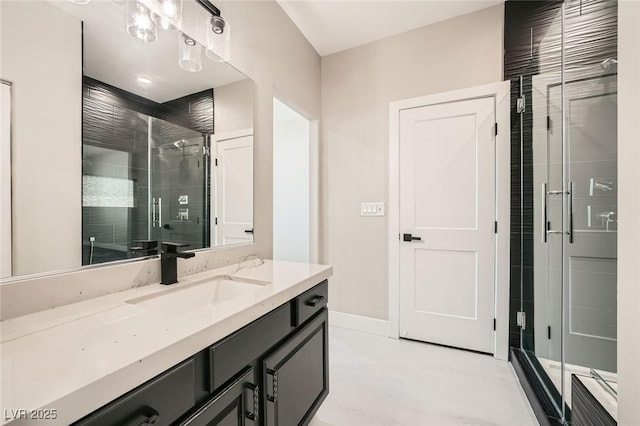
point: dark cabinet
(296, 375)
(232, 354)
(160, 401)
(236, 405)
(310, 303)
(273, 371)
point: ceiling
(335, 25)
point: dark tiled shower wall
(116, 120)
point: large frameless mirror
(124, 130)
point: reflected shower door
(179, 190)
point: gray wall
(357, 86)
(233, 104)
(46, 134)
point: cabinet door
(160, 401)
(235, 405)
(296, 375)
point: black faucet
(168, 262)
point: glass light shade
(189, 53)
(139, 23)
(218, 33)
(167, 14)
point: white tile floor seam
(375, 380)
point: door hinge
(216, 221)
(548, 122)
(520, 104)
(521, 320)
(206, 151)
(495, 227)
(494, 324)
(496, 129)
(549, 332)
(216, 162)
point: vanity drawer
(231, 355)
(310, 302)
(160, 401)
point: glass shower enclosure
(144, 178)
(568, 192)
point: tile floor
(381, 381)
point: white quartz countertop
(76, 358)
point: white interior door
(447, 200)
(234, 190)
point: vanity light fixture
(189, 53)
(139, 22)
(167, 14)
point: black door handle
(249, 231)
(409, 237)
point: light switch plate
(372, 209)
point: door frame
(501, 94)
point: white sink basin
(211, 292)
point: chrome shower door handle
(154, 213)
(159, 212)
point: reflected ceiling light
(189, 53)
(139, 22)
(144, 80)
(217, 24)
(218, 34)
(78, 1)
(167, 14)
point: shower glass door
(179, 190)
(569, 200)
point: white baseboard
(359, 323)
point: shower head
(180, 144)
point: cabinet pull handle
(253, 415)
(570, 212)
(274, 396)
(315, 301)
(545, 227)
(152, 416)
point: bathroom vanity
(228, 346)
